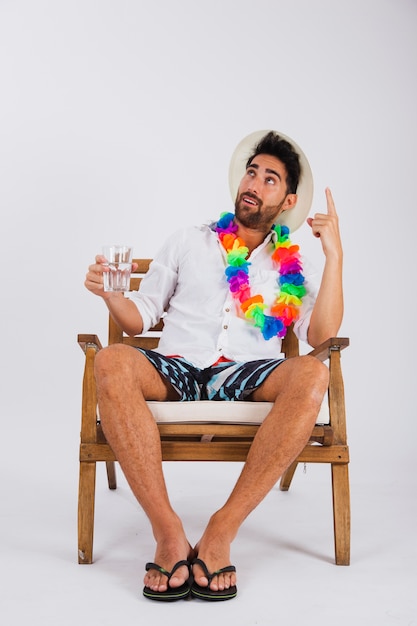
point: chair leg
(341, 513)
(86, 498)
(287, 477)
(111, 474)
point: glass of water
(119, 262)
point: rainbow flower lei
(285, 256)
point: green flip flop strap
(165, 572)
(222, 570)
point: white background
(117, 123)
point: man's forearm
(327, 315)
(125, 313)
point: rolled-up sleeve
(156, 287)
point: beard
(257, 217)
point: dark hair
(281, 149)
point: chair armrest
(334, 343)
(86, 341)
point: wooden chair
(213, 438)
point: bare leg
(124, 379)
(297, 388)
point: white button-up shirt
(186, 284)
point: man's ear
(290, 201)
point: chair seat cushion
(209, 411)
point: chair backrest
(149, 341)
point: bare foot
(167, 554)
(214, 549)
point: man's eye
(270, 181)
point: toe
(179, 577)
(222, 581)
(156, 581)
(199, 576)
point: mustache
(248, 194)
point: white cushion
(206, 411)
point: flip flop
(172, 593)
(205, 593)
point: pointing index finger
(331, 209)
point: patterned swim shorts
(225, 380)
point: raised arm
(328, 310)
(124, 312)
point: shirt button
(225, 327)
(227, 310)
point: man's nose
(253, 186)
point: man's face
(262, 193)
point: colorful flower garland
(285, 256)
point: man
(230, 289)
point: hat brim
(294, 217)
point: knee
(112, 361)
(314, 375)
(309, 375)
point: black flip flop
(205, 593)
(172, 593)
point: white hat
(295, 217)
